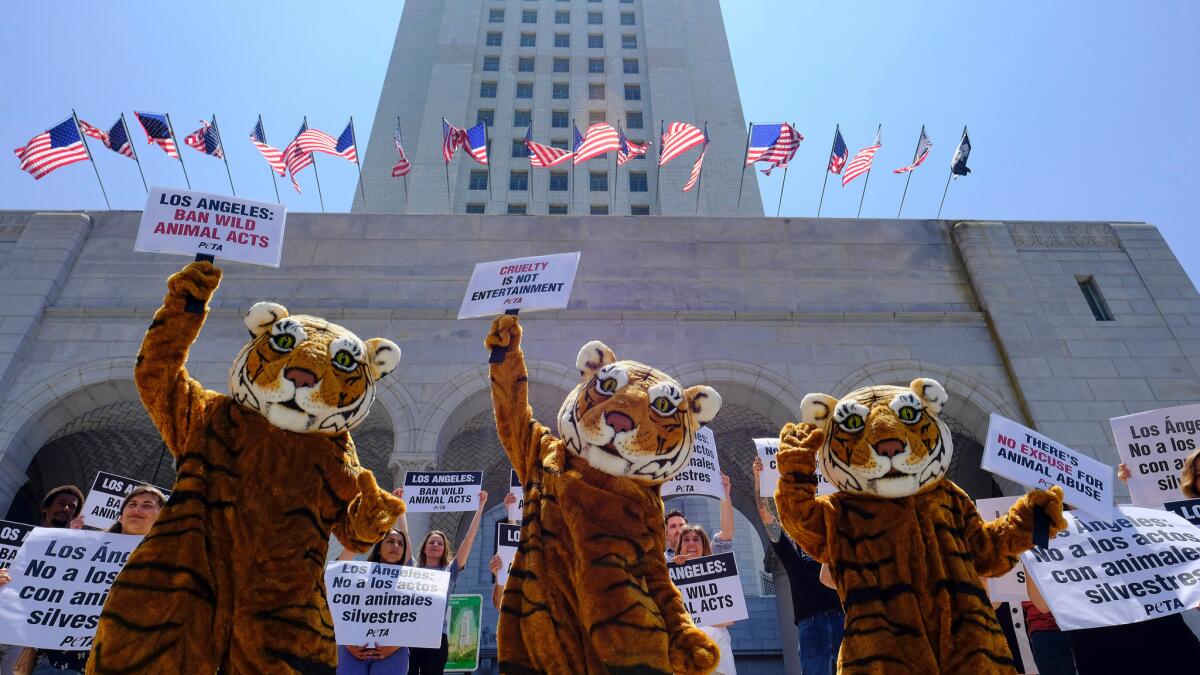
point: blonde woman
(694, 543)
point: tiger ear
(704, 402)
(262, 316)
(931, 392)
(817, 408)
(592, 357)
(383, 356)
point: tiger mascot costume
(589, 590)
(230, 578)
(905, 545)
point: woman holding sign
(694, 543)
(368, 660)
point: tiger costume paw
(1050, 501)
(197, 280)
(374, 511)
(505, 333)
(798, 446)
(693, 652)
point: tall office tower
(554, 63)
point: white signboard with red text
(539, 282)
(228, 228)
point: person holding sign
(379, 660)
(1189, 475)
(722, 541)
(694, 543)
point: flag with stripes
(839, 154)
(698, 166)
(115, 139)
(542, 156)
(627, 150)
(599, 139)
(678, 139)
(403, 166)
(315, 140)
(206, 139)
(774, 144)
(861, 162)
(924, 145)
(475, 142)
(958, 164)
(452, 140)
(274, 156)
(294, 158)
(56, 147)
(158, 132)
(346, 146)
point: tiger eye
(908, 413)
(609, 385)
(284, 341)
(854, 422)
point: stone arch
(752, 385)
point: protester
(139, 511)
(694, 543)
(816, 609)
(436, 553)
(374, 659)
(722, 541)
(1051, 647)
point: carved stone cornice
(1064, 236)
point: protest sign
(465, 630)
(230, 228)
(1141, 565)
(388, 605)
(61, 579)
(768, 480)
(1011, 586)
(1022, 454)
(429, 491)
(1188, 509)
(507, 539)
(711, 589)
(1153, 445)
(539, 282)
(514, 487)
(702, 475)
(11, 536)
(102, 507)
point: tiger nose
(889, 448)
(300, 377)
(619, 421)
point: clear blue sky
(1079, 109)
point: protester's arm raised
(804, 516)
(468, 540)
(995, 545)
(520, 434)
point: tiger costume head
(628, 419)
(886, 441)
(305, 374)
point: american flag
(837, 158)
(452, 140)
(314, 140)
(296, 159)
(627, 150)
(475, 142)
(59, 146)
(861, 162)
(923, 147)
(274, 156)
(158, 132)
(599, 139)
(206, 139)
(678, 139)
(543, 156)
(698, 165)
(115, 139)
(403, 166)
(346, 147)
(775, 144)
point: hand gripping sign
(230, 228)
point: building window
(516, 209)
(633, 92)
(629, 42)
(596, 117)
(626, 2)
(528, 40)
(599, 209)
(522, 118)
(560, 143)
(558, 181)
(562, 40)
(496, 16)
(627, 19)
(524, 90)
(478, 180)
(518, 148)
(486, 117)
(562, 65)
(595, 41)
(631, 66)
(560, 119)
(595, 65)
(525, 64)
(562, 18)
(558, 209)
(594, 18)
(530, 16)
(474, 208)
(518, 180)
(596, 92)
(494, 40)
(598, 181)
(1091, 292)
(561, 90)
(487, 90)
(637, 182)
(491, 63)
(596, 2)
(639, 209)
(633, 120)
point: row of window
(561, 209)
(561, 91)
(559, 181)
(525, 64)
(530, 16)
(595, 40)
(559, 119)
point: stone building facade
(1059, 325)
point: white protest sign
(1022, 454)
(768, 480)
(1011, 586)
(702, 475)
(102, 507)
(1141, 565)
(60, 581)
(429, 491)
(1188, 509)
(1153, 445)
(514, 488)
(508, 537)
(230, 228)
(11, 536)
(711, 589)
(539, 282)
(388, 605)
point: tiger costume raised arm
(589, 591)
(230, 578)
(905, 545)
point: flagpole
(779, 206)
(741, 184)
(178, 149)
(269, 167)
(573, 156)
(487, 143)
(88, 150)
(947, 188)
(129, 139)
(317, 176)
(658, 172)
(224, 154)
(910, 171)
(358, 162)
(700, 176)
(405, 176)
(612, 211)
(836, 130)
(868, 177)
(446, 166)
